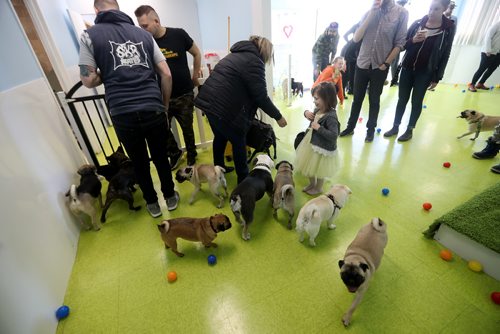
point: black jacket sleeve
(443, 61)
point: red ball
(446, 165)
(495, 297)
(446, 254)
(427, 206)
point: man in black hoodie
(231, 95)
(126, 60)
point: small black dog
(113, 166)
(122, 183)
(297, 88)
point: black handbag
(298, 139)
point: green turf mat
(478, 218)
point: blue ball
(424, 106)
(463, 91)
(378, 130)
(62, 312)
(385, 191)
(492, 87)
(212, 260)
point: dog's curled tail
(379, 225)
(164, 226)
(235, 203)
(219, 171)
(286, 191)
(311, 213)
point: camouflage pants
(182, 108)
(496, 134)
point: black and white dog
(250, 190)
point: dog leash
(335, 205)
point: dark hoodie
(433, 53)
(124, 55)
(237, 87)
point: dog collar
(478, 120)
(260, 164)
(335, 205)
(210, 221)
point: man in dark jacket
(128, 60)
(231, 95)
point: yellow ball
(475, 266)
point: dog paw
(346, 320)
(289, 226)
(472, 139)
(312, 243)
(246, 236)
(180, 254)
(136, 208)
(332, 226)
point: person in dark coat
(428, 46)
(231, 95)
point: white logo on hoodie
(128, 54)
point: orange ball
(446, 254)
(427, 206)
(172, 276)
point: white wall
(38, 237)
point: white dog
(324, 207)
(198, 174)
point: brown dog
(203, 230)
(283, 191)
(478, 122)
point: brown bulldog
(203, 230)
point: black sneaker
(496, 169)
(406, 136)
(369, 135)
(191, 161)
(175, 160)
(347, 132)
(154, 209)
(228, 169)
(172, 201)
(392, 132)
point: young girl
(316, 153)
(333, 73)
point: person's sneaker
(406, 136)
(191, 161)
(471, 88)
(172, 201)
(392, 132)
(347, 132)
(154, 209)
(175, 160)
(496, 169)
(369, 135)
(489, 152)
(481, 86)
(227, 169)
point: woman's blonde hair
(265, 47)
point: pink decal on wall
(288, 30)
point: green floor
(273, 283)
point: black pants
(487, 66)
(351, 70)
(138, 132)
(223, 133)
(362, 78)
(182, 108)
(416, 81)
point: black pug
(121, 185)
(113, 166)
(297, 88)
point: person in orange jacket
(333, 73)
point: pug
(83, 198)
(478, 122)
(198, 174)
(284, 191)
(324, 207)
(203, 230)
(243, 198)
(361, 260)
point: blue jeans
(362, 78)
(418, 82)
(138, 132)
(222, 134)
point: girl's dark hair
(327, 92)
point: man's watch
(387, 65)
